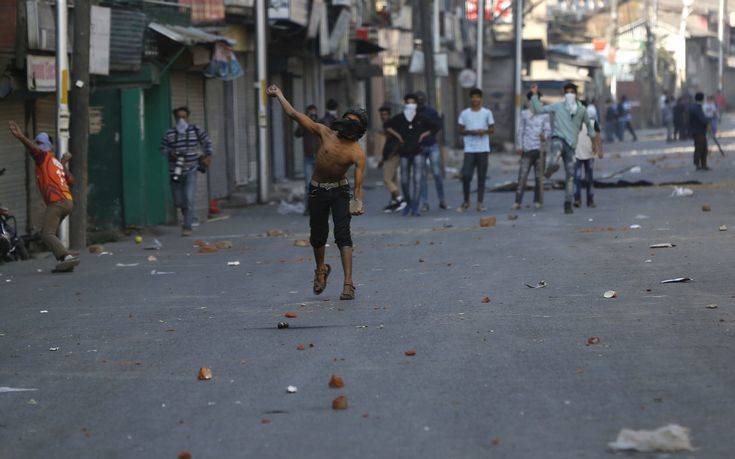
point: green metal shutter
(13, 193)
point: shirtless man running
(330, 189)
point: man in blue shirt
(698, 128)
(569, 115)
(432, 154)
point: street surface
(511, 378)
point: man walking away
(698, 128)
(188, 149)
(331, 115)
(311, 143)
(569, 115)
(330, 189)
(534, 129)
(53, 178)
(584, 154)
(625, 118)
(432, 154)
(611, 122)
(410, 129)
(667, 118)
(389, 163)
(476, 124)
(711, 112)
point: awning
(366, 47)
(188, 35)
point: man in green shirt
(569, 115)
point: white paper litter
(43, 311)
(159, 273)
(610, 294)
(635, 226)
(53, 349)
(670, 438)
(126, 265)
(292, 389)
(682, 192)
(233, 263)
(14, 389)
(663, 245)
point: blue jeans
(587, 165)
(433, 154)
(561, 149)
(412, 168)
(184, 193)
(308, 172)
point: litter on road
(681, 192)
(301, 243)
(223, 245)
(292, 389)
(4, 389)
(336, 382)
(610, 294)
(160, 273)
(723, 228)
(275, 233)
(706, 208)
(233, 263)
(592, 340)
(282, 325)
(634, 226)
(540, 284)
(339, 403)
(677, 280)
(487, 222)
(670, 438)
(711, 306)
(663, 245)
(156, 245)
(126, 265)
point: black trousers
(700, 150)
(322, 201)
(472, 161)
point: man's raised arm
(301, 118)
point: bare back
(335, 157)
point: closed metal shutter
(13, 194)
(299, 102)
(245, 121)
(216, 127)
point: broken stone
(152, 258)
(711, 306)
(292, 389)
(512, 217)
(485, 299)
(205, 374)
(706, 208)
(592, 340)
(487, 222)
(610, 294)
(290, 315)
(723, 228)
(275, 233)
(301, 243)
(282, 325)
(199, 243)
(339, 403)
(495, 441)
(223, 245)
(300, 347)
(96, 248)
(184, 455)
(336, 382)
(410, 353)
(207, 248)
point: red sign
(471, 7)
(204, 11)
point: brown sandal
(348, 292)
(320, 286)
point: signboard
(339, 32)
(99, 41)
(296, 11)
(41, 73)
(467, 78)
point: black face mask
(348, 129)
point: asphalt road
(510, 378)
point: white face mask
(181, 125)
(570, 99)
(409, 111)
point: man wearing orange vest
(53, 179)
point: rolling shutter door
(13, 194)
(216, 127)
(245, 122)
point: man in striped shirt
(188, 149)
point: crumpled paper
(672, 437)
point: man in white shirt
(476, 123)
(533, 130)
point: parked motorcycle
(11, 245)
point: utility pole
(437, 49)
(614, 47)
(427, 47)
(263, 185)
(480, 39)
(518, 16)
(62, 95)
(80, 121)
(721, 53)
(652, 58)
